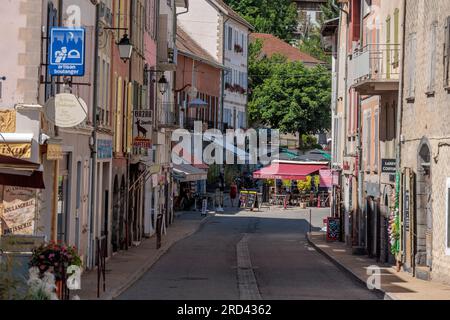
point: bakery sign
(142, 129)
(18, 211)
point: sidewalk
(394, 285)
(124, 268)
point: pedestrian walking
(233, 193)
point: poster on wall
(18, 211)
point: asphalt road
(248, 256)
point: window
(432, 59)
(230, 38)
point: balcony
(166, 117)
(374, 69)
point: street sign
(66, 110)
(388, 165)
(67, 52)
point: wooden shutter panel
(447, 53)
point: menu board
(333, 229)
(251, 200)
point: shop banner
(16, 150)
(326, 178)
(18, 211)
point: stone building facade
(426, 137)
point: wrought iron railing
(375, 62)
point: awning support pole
(54, 231)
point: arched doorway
(424, 220)
(116, 210)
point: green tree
(268, 16)
(293, 98)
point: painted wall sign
(66, 110)
(142, 129)
(18, 212)
(104, 149)
(67, 52)
(388, 165)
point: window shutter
(432, 59)
(447, 52)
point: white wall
(202, 23)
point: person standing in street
(233, 193)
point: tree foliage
(268, 16)
(291, 97)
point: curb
(386, 295)
(140, 272)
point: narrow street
(248, 255)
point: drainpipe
(93, 143)
(222, 95)
(400, 91)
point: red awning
(288, 171)
(20, 173)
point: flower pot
(59, 289)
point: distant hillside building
(273, 45)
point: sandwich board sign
(67, 52)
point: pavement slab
(393, 285)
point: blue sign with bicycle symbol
(67, 52)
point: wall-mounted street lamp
(163, 85)
(125, 48)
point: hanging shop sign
(18, 211)
(7, 121)
(16, 150)
(388, 165)
(142, 129)
(104, 149)
(20, 243)
(67, 52)
(54, 152)
(66, 110)
(326, 178)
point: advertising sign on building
(67, 52)
(388, 165)
(142, 129)
(66, 110)
(18, 211)
(104, 149)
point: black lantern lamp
(125, 48)
(163, 85)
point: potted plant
(55, 258)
